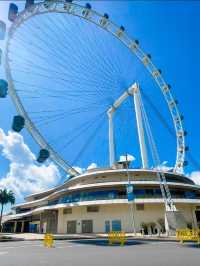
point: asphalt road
(98, 253)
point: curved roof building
(96, 202)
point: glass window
(92, 208)
(67, 211)
(140, 207)
(116, 225)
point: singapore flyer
(99, 108)
(54, 84)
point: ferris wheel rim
(60, 6)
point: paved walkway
(30, 236)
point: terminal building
(96, 202)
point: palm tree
(6, 196)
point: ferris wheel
(75, 78)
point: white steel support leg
(111, 138)
(140, 128)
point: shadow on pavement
(104, 242)
(191, 245)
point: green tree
(6, 196)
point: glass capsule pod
(13, 11)
(43, 155)
(3, 88)
(0, 56)
(18, 123)
(2, 30)
(104, 20)
(29, 3)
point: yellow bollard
(48, 240)
(188, 235)
(116, 237)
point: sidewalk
(31, 237)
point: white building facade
(96, 202)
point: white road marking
(69, 246)
(3, 253)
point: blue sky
(99, 70)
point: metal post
(140, 128)
(131, 203)
(111, 137)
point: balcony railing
(108, 195)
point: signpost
(130, 194)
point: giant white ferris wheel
(36, 67)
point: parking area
(98, 253)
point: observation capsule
(86, 11)
(13, 11)
(120, 31)
(18, 123)
(88, 6)
(3, 88)
(43, 156)
(0, 56)
(2, 30)
(104, 20)
(29, 3)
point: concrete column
(15, 227)
(194, 217)
(79, 227)
(22, 227)
(166, 225)
(41, 224)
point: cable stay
(171, 131)
(175, 219)
(169, 204)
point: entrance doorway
(107, 226)
(198, 218)
(87, 226)
(71, 227)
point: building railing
(111, 195)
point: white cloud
(92, 166)
(25, 175)
(195, 176)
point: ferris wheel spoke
(68, 135)
(76, 137)
(68, 112)
(91, 82)
(66, 73)
(88, 141)
(44, 122)
(100, 62)
(68, 46)
(114, 68)
(98, 59)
